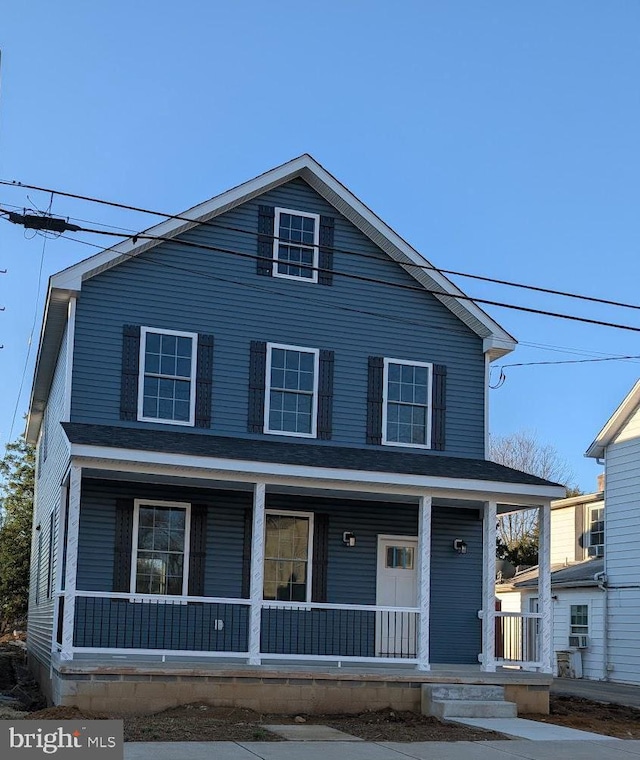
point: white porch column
(73, 526)
(424, 581)
(544, 589)
(257, 573)
(488, 586)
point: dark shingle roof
(300, 453)
(578, 574)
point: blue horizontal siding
(456, 580)
(216, 293)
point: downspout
(601, 580)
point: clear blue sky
(498, 138)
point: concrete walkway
(534, 730)
(599, 691)
(494, 750)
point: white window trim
(291, 513)
(588, 626)
(590, 510)
(144, 331)
(385, 385)
(137, 503)
(314, 403)
(276, 242)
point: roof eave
(615, 423)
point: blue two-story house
(261, 431)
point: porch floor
(194, 666)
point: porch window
(406, 409)
(167, 388)
(160, 541)
(295, 247)
(579, 619)
(291, 406)
(596, 531)
(286, 557)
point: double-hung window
(291, 403)
(167, 387)
(579, 619)
(596, 531)
(160, 548)
(295, 247)
(406, 410)
(287, 556)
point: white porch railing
(518, 639)
(200, 626)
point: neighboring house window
(167, 383)
(596, 531)
(287, 561)
(160, 548)
(295, 247)
(291, 402)
(579, 619)
(406, 412)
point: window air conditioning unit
(595, 551)
(580, 642)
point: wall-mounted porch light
(348, 538)
(460, 546)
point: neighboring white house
(577, 564)
(618, 444)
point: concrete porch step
(473, 708)
(469, 691)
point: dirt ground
(610, 720)
(200, 722)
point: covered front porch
(396, 570)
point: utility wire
(362, 278)
(408, 265)
(30, 342)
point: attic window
(295, 245)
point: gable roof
(615, 423)
(67, 283)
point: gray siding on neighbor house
(215, 293)
(49, 473)
(351, 572)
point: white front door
(396, 587)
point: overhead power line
(360, 278)
(361, 254)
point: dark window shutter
(123, 545)
(257, 370)
(246, 553)
(266, 215)
(325, 395)
(130, 370)
(320, 558)
(204, 372)
(197, 549)
(374, 399)
(325, 259)
(439, 407)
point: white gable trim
(497, 341)
(615, 423)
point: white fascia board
(615, 423)
(249, 470)
(353, 209)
